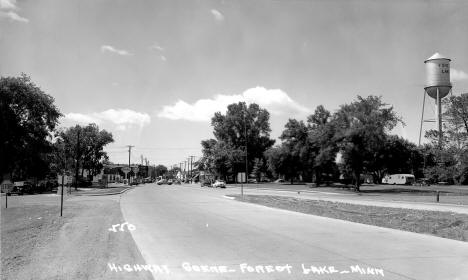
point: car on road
(422, 182)
(279, 181)
(169, 182)
(252, 181)
(219, 184)
(22, 187)
(162, 181)
(206, 183)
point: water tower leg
(422, 118)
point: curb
(101, 194)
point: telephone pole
(77, 164)
(189, 172)
(191, 168)
(129, 152)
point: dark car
(22, 187)
(206, 183)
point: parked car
(279, 181)
(162, 181)
(219, 184)
(206, 183)
(422, 182)
(252, 181)
(22, 187)
(170, 181)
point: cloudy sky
(154, 72)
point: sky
(154, 72)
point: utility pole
(246, 163)
(188, 168)
(129, 152)
(191, 168)
(141, 159)
(180, 167)
(77, 164)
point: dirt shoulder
(441, 224)
(38, 244)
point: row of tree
(33, 146)
(353, 141)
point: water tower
(437, 87)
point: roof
(437, 56)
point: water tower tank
(438, 76)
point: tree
(396, 155)
(361, 128)
(281, 161)
(241, 128)
(85, 147)
(160, 170)
(450, 162)
(320, 141)
(295, 145)
(307, 148)
(28, 116)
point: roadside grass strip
(442, 224)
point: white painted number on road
(121, 227)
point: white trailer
(399, 179)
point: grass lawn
(442, 224)
(39, 244)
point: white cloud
(163, 58)
(458, 75)
(15, 17)
(121, 119)
(82, 118)
(156, 47)
(276, 101)
(111, 49)
(217, 15)
(8, 4)
(8, 10)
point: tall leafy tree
(450, 160)
(281, 161)
(396, 155)
(295, 143)
(28, 117)
(160, 170)
(321, 143)
(85, 146)
(361, 128)
(241, 128)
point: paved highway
(188, 232)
